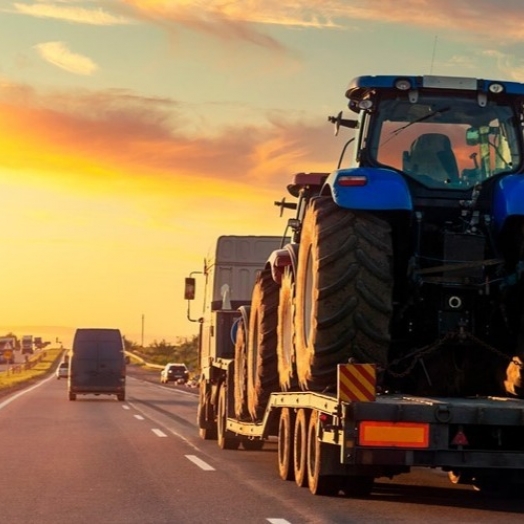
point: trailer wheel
(285, 331)
(319, 484)
(72, 396)
(285, 444)
(224, 440)
(204, 408)
(300, 448)
(262, 369)
(240, 379)
(344, 289)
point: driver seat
(431, 155)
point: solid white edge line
(200, 463)
(158, 432)
(23, 392)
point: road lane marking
(158, 432)
(139, 417)
(278, 521)
(126, 407)
(200, 463)
(23, 392)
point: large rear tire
(262, 369)
(344, 289)
(285, 332)
(286, 428)
(240, 388)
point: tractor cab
(441, 132)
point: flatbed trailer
(332, 444)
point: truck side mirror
(189, 290)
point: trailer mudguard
(366, 188)
(508, 199)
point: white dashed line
(126, 407)
(278, 521)
(200, 463)
(138, 417)
(158, 432)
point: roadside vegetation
(38, 366)
(161, 353)
(43, 363)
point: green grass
(14, 380)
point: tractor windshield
(446, 141)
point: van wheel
(121, 397)
(72, 396)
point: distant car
(62, 371)
(174, 372)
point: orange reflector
(357, 382)
(394, 434)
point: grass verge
(12, 381)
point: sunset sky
(134, 132)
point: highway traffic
(141, 461)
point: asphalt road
(100, 461)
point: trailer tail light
(394, 434)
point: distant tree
(128, 344)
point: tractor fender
(366, 188)
(508, 199)
(282, 258)
(244, 317)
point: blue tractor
(409, 255)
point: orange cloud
(115, 133)
(58, 54)
(486, 19)
(67, 13)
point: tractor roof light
(496, 88)
(366, 104)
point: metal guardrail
(28, 364)
(140, 360)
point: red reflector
(323, 418)
(352, 181)
(460, 439)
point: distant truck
(7, 348)
(27, 344)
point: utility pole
(142, 344)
